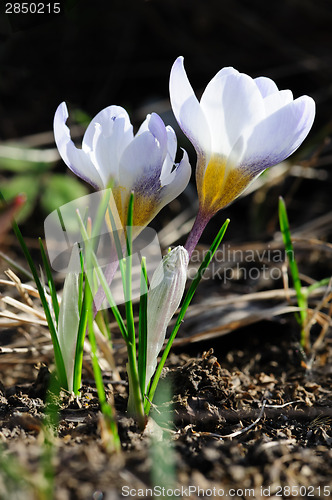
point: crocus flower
(164, 296)
(240, 127)
(112, 156)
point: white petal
(105, 119)
(77, 160)
(141, 162)
(144, 126)
(275, 101)
(176, 181)
(266, 86)
(228, 70)
(170, 157)
(157, 128)
(232, 105)
(277, 137)
(187, 109)
(113, 133)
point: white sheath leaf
(69, 317)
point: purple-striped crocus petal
(232, 104)
(142, 160)
(278, 136)
(155, 125)
(177, 181)
(115, 133)
(78, 160)
(187, 109)
(157, 128)
(170, 156)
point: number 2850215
(32, 8)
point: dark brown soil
(250, 419)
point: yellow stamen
(145, 208)
(218, 186)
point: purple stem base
(196, 232)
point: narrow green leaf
(115, 234)
(307, 291)
(16, 266)
(135, 403)
(301, 299)
(128, 277)
(77, 378)
(102, 279)
(118, 246)
(50, 281)
(142, 326)
(57, 351)
(106, 409)
(81, 282)
(130, 219)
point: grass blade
(114, 443)
(135, 404)
(77, 376)
(50, 281)
(142, 327)
(97, 269)
(60, 367)
(127, 277)
(301, 299)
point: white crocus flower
(164, 296)
(240, 127)
(112, 155)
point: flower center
(220, 184)
(145, 207)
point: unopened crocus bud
(164, 296)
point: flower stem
(196, 231)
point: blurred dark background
(101, 52)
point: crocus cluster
(240, 127)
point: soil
(253, 422)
